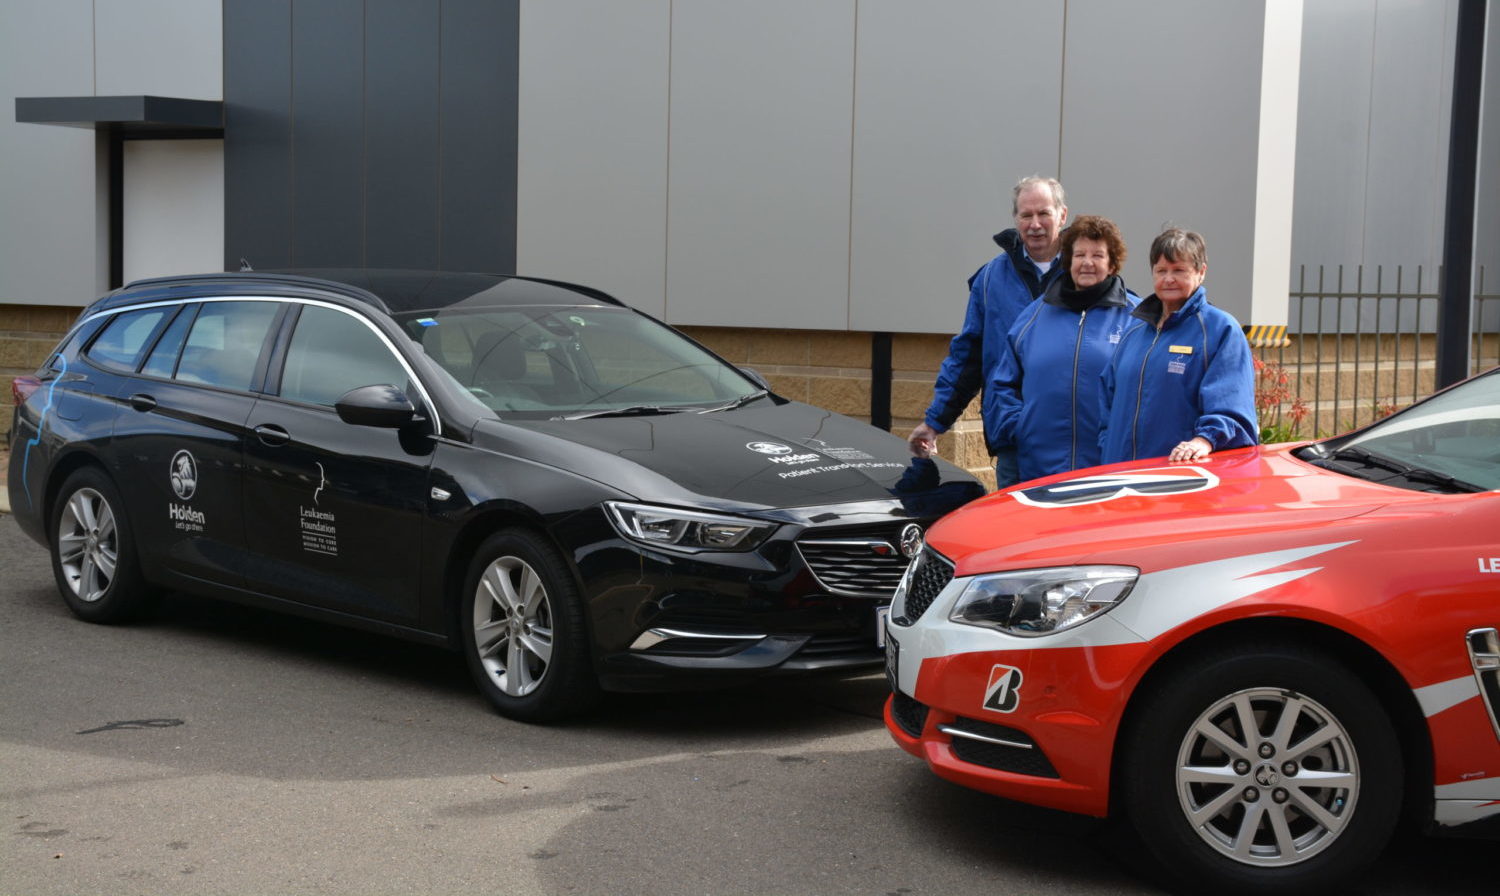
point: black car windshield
(1453, 436)
(542, 363)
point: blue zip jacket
(1045, 391)
(998, 292)
(1193, 377)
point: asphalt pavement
(220, 750)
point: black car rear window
(120, 344)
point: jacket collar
(1010, 240)
(1109, 293)
(1150, 308)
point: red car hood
(1126, 512)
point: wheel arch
(471, 535)
(1383, 679)
(65, 467)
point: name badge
(1181, 349)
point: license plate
(892, 650)
(881, 615)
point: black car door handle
(142, 402)
(272, 435)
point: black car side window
(162, 361)
(332, 352)
(225, 343)
(120, 344)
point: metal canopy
(132, 116)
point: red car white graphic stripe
(1159, 602)
(1445, 695)
(1466, 801)
(1163, 600)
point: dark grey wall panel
(328, 102)
(257, 132)
(371, 132)
(479, 71)
(401, 132)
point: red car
(1260, 660)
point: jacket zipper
(1140, 391)
(1077, 349)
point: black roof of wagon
(390, 290)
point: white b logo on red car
(1153, 482)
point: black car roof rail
(182, 281)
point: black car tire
(523, 632)
(1175, 764)
(93, 551)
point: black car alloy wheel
(93, 554)
(523, 632)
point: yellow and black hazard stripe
(1267, 335)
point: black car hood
(763, 457)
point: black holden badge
(572, 494)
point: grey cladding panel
(327, 129)
(401, 137)
(257, 133)
(1169, 132)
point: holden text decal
(183, 473)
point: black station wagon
(569, 492)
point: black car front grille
(857, 646)
(864, 564)
(998, 747)
(932, 575)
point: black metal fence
(1363, 343)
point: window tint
(535, 363)
(120, 345)
(163, 359)
(225, 342)
(332, 352)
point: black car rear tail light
(22, 387)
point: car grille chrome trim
(1484, 656)
(865, 567)
(931, 573)
(654, 636)
(951, 731)
(998, 747)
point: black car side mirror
(384, 406)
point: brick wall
(831, 369)
(27, 334)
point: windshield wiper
(638, 410)
(1417, 474)
(737, 403)
(1360, 455)
(1411, 474)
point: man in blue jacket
(997, 294)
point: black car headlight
(1032, 602)
(669, 527)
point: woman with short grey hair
(1181, 384)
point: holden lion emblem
(768, 447)
(911, 541)
(184, 475)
